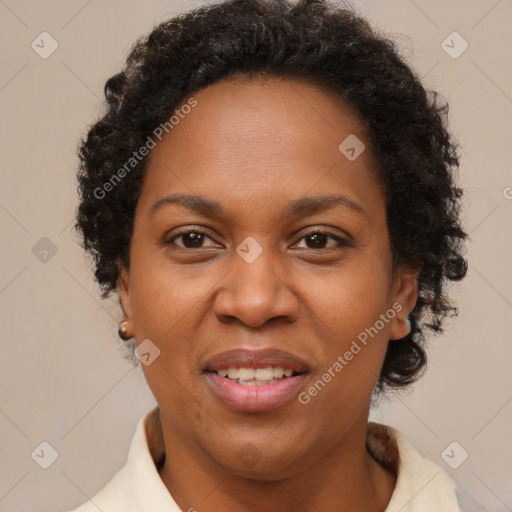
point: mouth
(256, 376)
(255, 380)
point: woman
(271, 192)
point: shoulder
(115, 496)
(420, 483)
(139, 473)
(466, 502)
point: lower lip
(255, 398)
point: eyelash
(318, 231)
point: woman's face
(252, 273)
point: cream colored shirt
(421, 485)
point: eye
(318, 238)
(191, 239)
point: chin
(255, 463)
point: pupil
(194, 237)
(319, 239)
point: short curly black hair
(331, 46)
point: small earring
(122, 330)
(408, 322)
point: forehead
(265, 112)
(260, 137)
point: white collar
(421, 485)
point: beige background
(62, 375)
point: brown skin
(254, 146)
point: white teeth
(255, 376)
(233, 373)
(278, 372)
(246, 373)
(264, 374)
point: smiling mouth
(256, 376)
(249, 380)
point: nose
(255, 293)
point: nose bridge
(256, 288)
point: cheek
(351, 297)
(162, 294)
(163, 302)
(347, 309)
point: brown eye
(192, 239)
(319, 239)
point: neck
(345, 478)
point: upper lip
(261, 358)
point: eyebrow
(303, 206)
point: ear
(405, 296)
(123, 286)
